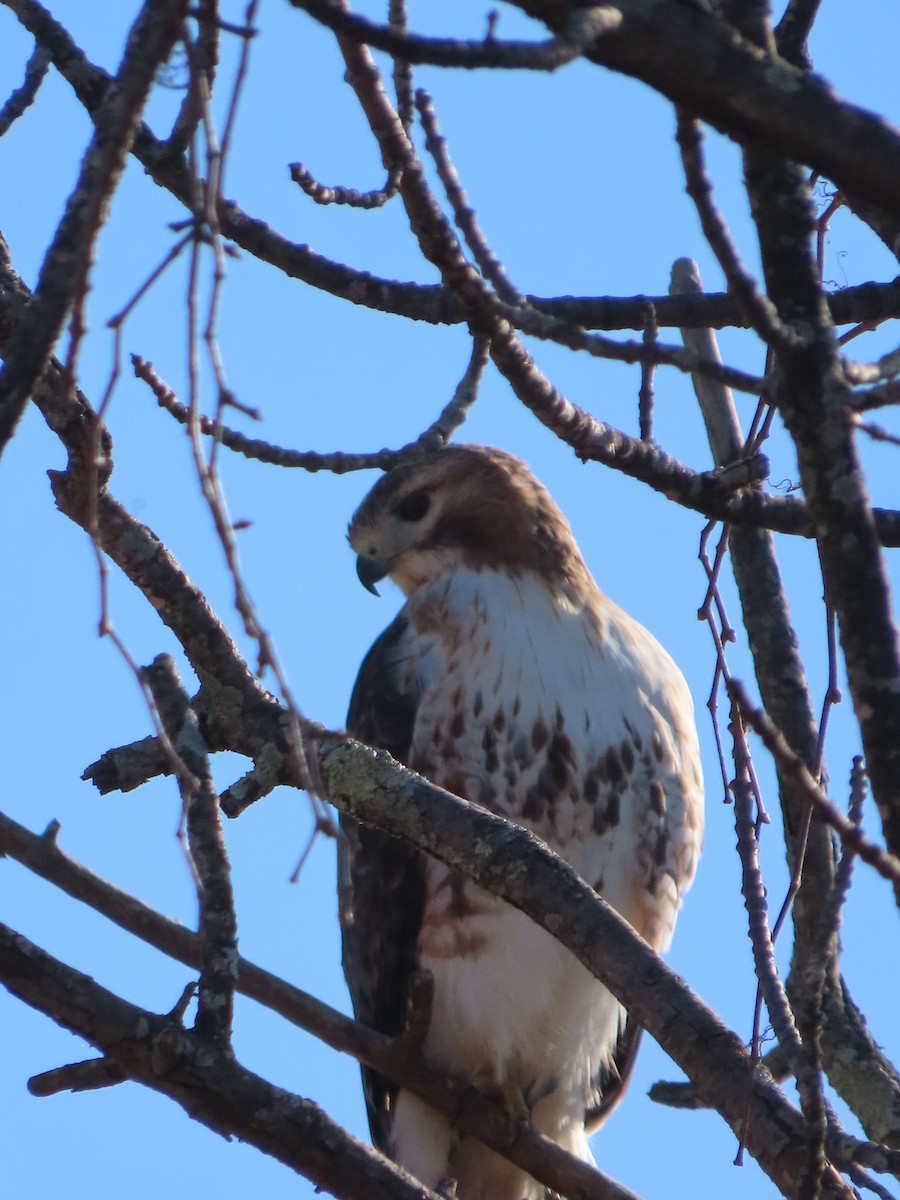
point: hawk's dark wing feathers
(612, 1082)
(382, 879)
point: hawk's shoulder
(383, 702)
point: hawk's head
(461, 508)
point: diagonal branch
(687, 53)
(475, 1114)
(886, 864)
(212, 1088)
(63, 277)
(514, 864)
(24, 96)
(759, 313)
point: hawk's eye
(414, 506)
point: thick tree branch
(514, 864)
(475, 1114)
(434, 304)
(813, 398)
(212, 1088)
(685, 52)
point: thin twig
(336, 193)
(340, 462)
(202, 56)
(209, 195)
(803, 1067)
(464, 215)
(759, 311)
(876, 432)
(887, 866)
(645, 392)
(20, 100)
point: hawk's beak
(370, 570)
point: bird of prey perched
(509, 679)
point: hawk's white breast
(563, 714)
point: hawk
(509, 679)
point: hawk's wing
(381, 878)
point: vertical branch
(203, 59)
(645, 393)
(782, 682)
(217, 924)
(716, 401)
(773, 641)
(813, 398)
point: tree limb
(479, 1115)
(212, 1088)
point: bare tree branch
(722, 65)
(217, 924)
(813, 400)
(23, 97)
(887, 865)
(578, 32)
(687, 53)
(478, 1115)
(782, 681)
(451, 417)
(435, 304)
(63, 278)
(213, 1089)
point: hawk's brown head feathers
(462, 508)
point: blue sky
(577, 185)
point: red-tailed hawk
(509, 679)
